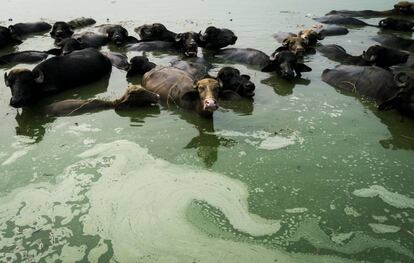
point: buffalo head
(23, 83)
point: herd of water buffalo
(77, 60)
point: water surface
(302, 174)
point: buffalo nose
(233, 39)
(250, 86)
(15, 103)
(210, 104)
(300, 51)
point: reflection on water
(32, 123)
(206, 142)
(242, 107)
(284, 87)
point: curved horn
(178, 37)
(6, 79)
(401, 79)
(40, 77)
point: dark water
(302, 174)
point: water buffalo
(310, 36)
(234, 85)
(297, 45)
(23, 29)
(6, 38)
(135, 96)
(198, 68)
(68, 45)
(396, 24)
(286, 64)
(177, 87)
(152, 46)
(184, 42)
(388, 90)
(216, 38)
(402, 8)
(375, 55)
(188, 43)
(138, 65)
(384, 57)
(341, 20)
(56, 74)
(330, 30)
(248, 56)
(81, 22)
(91, 39)
(61, 30)
(155, 32)
(395, 42)
(339, 54)
(30, 56)
(118, 35)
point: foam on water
(383, 229)
(356, 242)
(394, 199)
(119, 193)
(262, 139)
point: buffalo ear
(195, 84)
(270, 67)
(220, 82)
(282, 48)
(401, 79)
(302, 68)
(12, 31)
(285, 42)
(247, 77)
(132, 39)
(54, 51)
(178, 37)
(110, 31)
(39, 76)
(319, 36)
(191, 96)
(6, 79)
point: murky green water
(304, 174)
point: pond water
(302, 174)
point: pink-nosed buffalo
(177, 87)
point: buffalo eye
(201, 88)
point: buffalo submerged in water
(402, 8)
(177, 87)
(135, 96)
(388, 90)
(56, 74)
